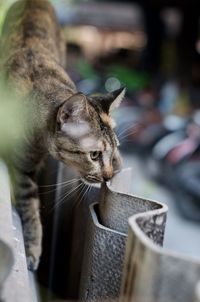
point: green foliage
(86, 70)
(12, 121)
(132, 80)
(12, 113)
(4, 5)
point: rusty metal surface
(150, 273)
(103, 260)
(106, 238)
(115, 208)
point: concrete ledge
(18, 287)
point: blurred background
(152, 48)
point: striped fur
(72, 127)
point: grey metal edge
(153, 273)
(108, 227)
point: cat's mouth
(91, 180)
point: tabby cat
(74, 128)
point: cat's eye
(95, 155)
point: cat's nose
(106, 178)
(108, 173)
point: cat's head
(84, 135)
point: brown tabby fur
(72, 127)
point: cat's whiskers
(63, 197)
(62, 185)
(128, 134)
(124, 130)
(132, 126)
(71, 192)
(85, 191)
(79, 195)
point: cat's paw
(33, 258)
(32, 264)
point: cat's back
(30, 31)
(28, 21)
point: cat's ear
(72, 109)
(111, 100)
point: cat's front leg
(28, 208)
